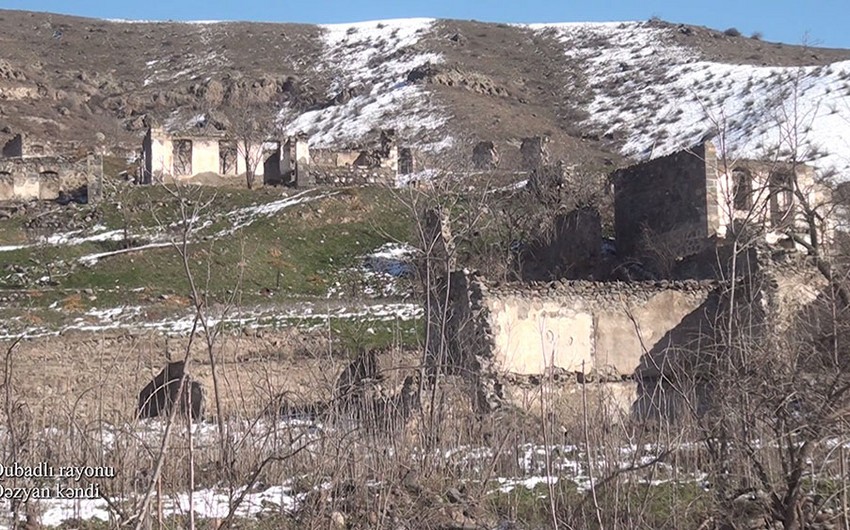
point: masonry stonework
(681, 204)
(43, 178)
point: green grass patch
(300, 251)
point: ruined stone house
(181, 156)
(629, 336)
(504, 157)
(291, 162)
(28, 172)
(691, 200)
(359, 165)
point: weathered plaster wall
(159, 155)
(158, 149)
(40, 178)
(503, 336)
(592, 328)
(764, 197)
(205, 156)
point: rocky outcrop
(455, 77)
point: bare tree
(253, 126)
(769, 386)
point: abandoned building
(292, 162)
(531, 154)
(692, 200)
(181, 156)
(630, 336)
(27, 173)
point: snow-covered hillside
(643, 89)
(372, 59)
(657, 98)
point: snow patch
(374, 58)
(660, 98)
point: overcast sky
(818, 22)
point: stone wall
(587, 331)
(162, 157)
(41, 178)
(663, 205)
(593, 328)
(351, 176)
(679, 205)
(14, 147)
(571, 248)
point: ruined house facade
(691, 200)
(181, 156)
(28, 173)
(632, 336)
(289, 162)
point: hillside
(601, 91)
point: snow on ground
(383, 273)
(133, 318)
(566, 463)
(74, 237)
(660, 98)
(373, 58)
(161, 237)
(244, 217)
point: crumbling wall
(183, 156)
(666, 205)
(590, 331)
(485, 156)
(586, 327)
(159, 156)
(534, 152)
(295, 162)
(41, 178)
(351, 176)
(570, 249)
(14, 147)
(406, 162)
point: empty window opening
(742, 189)
(781, 198)
(227, 155)
(182, 151)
